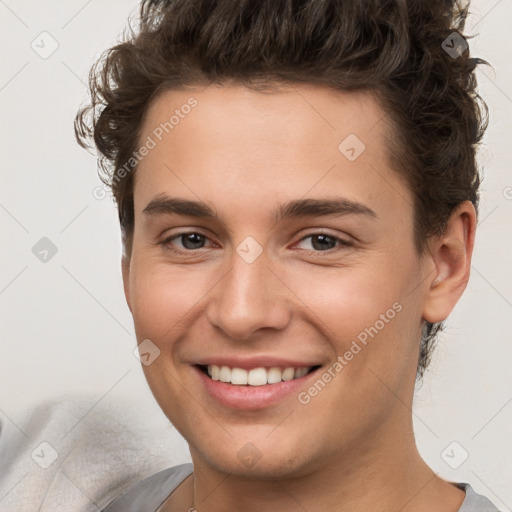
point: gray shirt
(149, 494)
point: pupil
(192, 240)
(325, 240)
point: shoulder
(148, 494)
(474, 502)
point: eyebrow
(165, 205)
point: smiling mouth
(256, 376)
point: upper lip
(256, 362)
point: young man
(297, 192)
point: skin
(243, 153)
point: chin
(266, 464)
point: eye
(190, 241)
(324, 242)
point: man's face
(258, 284)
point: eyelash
(342, 243)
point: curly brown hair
(398, 49)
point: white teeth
(288, 374)
(225, 374)
(274, 375)
(300, 372)
(239, 376)
(256, 376)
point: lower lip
(252, 397)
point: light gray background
(65, 328)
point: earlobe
(451, 254)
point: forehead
(230, 141)
(306, 110)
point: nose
(248, 298)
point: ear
(125, 269)
(451, 254)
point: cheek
(347, 299)
(370, 313)
(163, 302)
(163, 296)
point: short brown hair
(398, 49)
